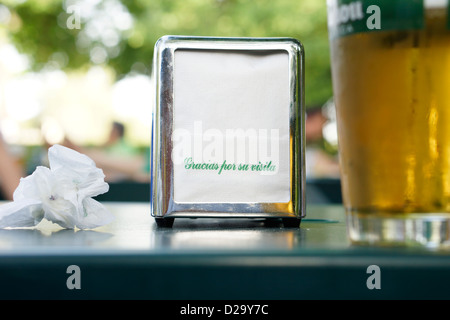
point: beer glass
(391, 81)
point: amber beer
(392, 96)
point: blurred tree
(122, 34)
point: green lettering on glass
(347, 17)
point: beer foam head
(430, 4)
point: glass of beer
(390, 64)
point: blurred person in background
(10, 172)
(319, 162)
(118, 160)
(116, 143)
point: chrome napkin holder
(210, 95)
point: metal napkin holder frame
(163, 207)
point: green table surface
(131, 258)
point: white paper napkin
(61, 194)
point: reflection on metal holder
(166, 203)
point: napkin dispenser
(228, 129)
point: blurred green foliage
(39, 29)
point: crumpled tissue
(61, 194)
